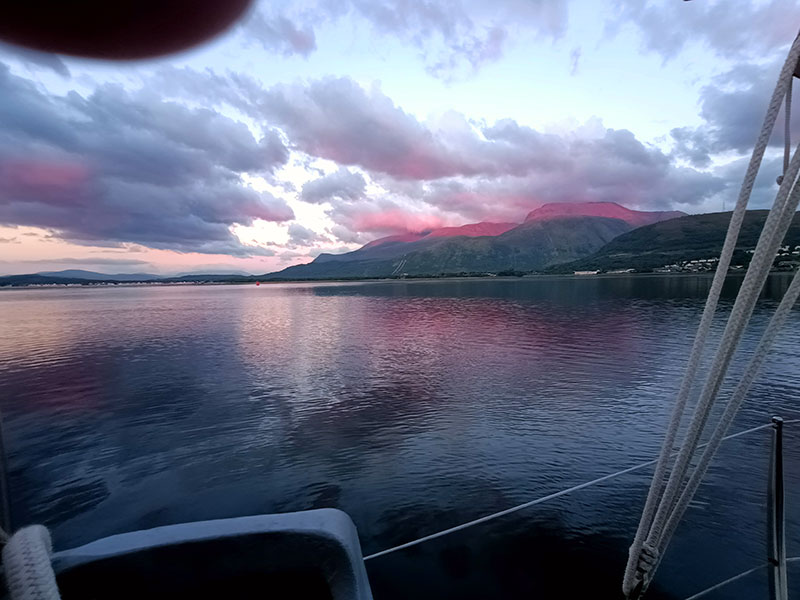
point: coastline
(531, 276)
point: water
(412, 405)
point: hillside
(470, 230)
(80, 277)
(687, 238)
(94, 276)
(551, 234)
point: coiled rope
(674, 485)
(26, 563)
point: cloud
(396, 171)
(342, 184)
(336, 119)
(451, 37)
(300, 236)
(456, 169)
(615, 167)
(279, 34)
(34, 58)
(127, 166)
(395, 221)
(574, 60)
(752, 28)
(348, 236)
(765, 187)
(733, 108)
(120, 262)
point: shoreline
(535, 276)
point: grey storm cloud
(300, 236)
(733, 108)
(342, 184)
(119, 166)
(728, 29)
(765, 187)
(614, 168)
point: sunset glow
(271, 145)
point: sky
(319, 125)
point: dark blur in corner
(118, 30)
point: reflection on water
(413, 406)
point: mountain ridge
(94, 275)
(611, 210)
(691, 237)
(555, 232)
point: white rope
(768, 337)
(777, 223)
(662, 497)
(543, 499)
(26, 562)
(787, 131)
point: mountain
(551, 234)
(690, 237)
(609, 210)
(471, 230)
(94, 276)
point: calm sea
(412, 405)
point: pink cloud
(22, 174)
(396, 222)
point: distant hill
(551, 234)
(209, 277)
(687, 238)
(81, 277)
(34, 279)
(93, 276)
(213, 273)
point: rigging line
(543, 499)
(787, 130)
(735, 578)
(726, 582)
(654, 494)
(775, 227)
(735, 402)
